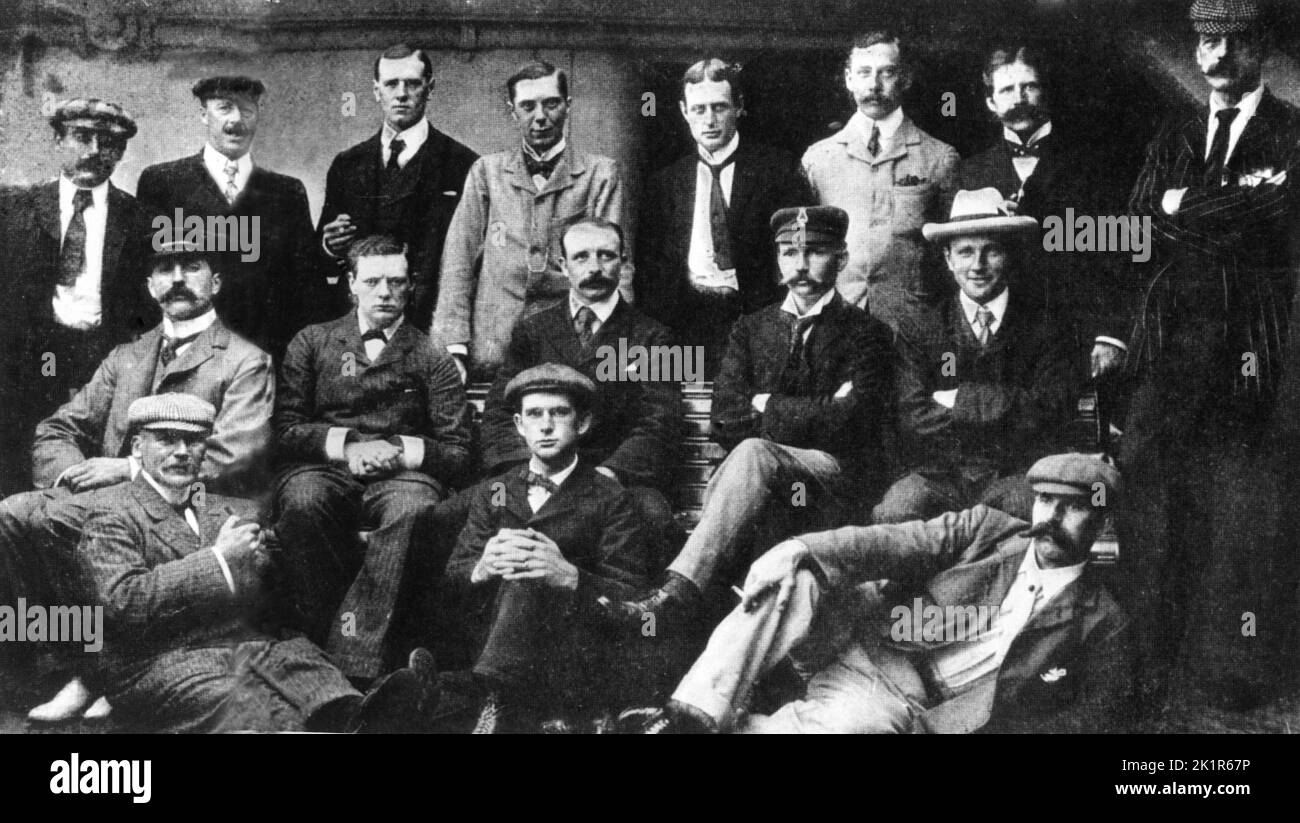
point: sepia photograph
(650, 367)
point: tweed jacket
(1066, 666)
(502, 255)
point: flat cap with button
(1074, 473)
(101, 115)
(551, 377)
(173, 411)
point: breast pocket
(911, 207)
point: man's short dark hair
(375, 245)
(598, 222)
(875, 37)
(1005, 56)
(536, 71)
(717, 71)
(401, 51)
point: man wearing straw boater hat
(984, 378)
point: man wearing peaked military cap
(1218, 187)
(1049, 654)
(799, 400)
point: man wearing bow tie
(269, 298)
(371, 425)
(85, 445)
(705, 258)
(985, 381)
(886, 173)
(1219, 185)
(799, 402)
(404, 181)
(544, 541)
(73, 258)
(502, 256)
(1042, 169)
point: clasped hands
(525, 554)
(372, 459)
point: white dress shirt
(602, 310)
(177, 329)
(412, 139)
(699, 259)
(336, 439)
(1246, 106)
(1025, 165)
(215, 162)
(79, 306)
(888, 126)
(789, 307)
(537, 496)
(998, 306)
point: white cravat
(1025, 165)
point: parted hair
(1008, 54)
(875, 37)
(536, 71)
(717, 71)
(401, 51)
(598, 222)
(375, 245)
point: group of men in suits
(846, 375)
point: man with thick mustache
(1219, 185)
(85, 445)
(1042, 168)
(886, 173)
(269, 298)
(73, 255)
(404, 181)
(502, 257)
(1050, 653)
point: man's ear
(519, 424)
(584, 423)
(681, 106)
(378, 97)
(137, 447)
(988, 101)
(216, 283)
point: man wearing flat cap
(799, 403)
(180, 575)
(543, 543)
(73, 258)
(984, 379)
(271, 287)
(86, 444)
(1219, 185)
(986, 621)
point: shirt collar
(1039, 134)
(216, 163)
(1052, 580)
(412, 138)
(1245, 107)
(789, 306)
(68, 189)
(997, 305)
(535, 466)
(191, 327)
(602, 309)
(388, 332)
(721, 155)
(163, 491)
(888, 124)
(554, 151)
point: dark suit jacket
(589, 517)
(29, 268)
(160, 585)
(265, 300)
(637, 425)
(844, 345)
(1090, 290)
(1230, 256)
(1069, 664)
(220, 367)
(327, 381)
(1012, 395)
(765, 179)
(425, 203)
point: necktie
(170, 345)
(232, 190)
(1219, 148)
(532, 478)
(718, 217)
(800, 325)
(1021, 150)
(72, 255)
(583, 323)
(395, 148)
(983, 324)
(873, 145)
(537, 167)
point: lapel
(743, 184)
(204, 185)
(115, 231)
(47, 212)
(517, 496)
(409, 179)
(135, 379)
(347, 333)
(825, 333)
(168, 529)
(200, 351)
(565, 499)
(566, 173)
(608, 332)
(395, 350)
(907, 135)
(1194, 133)
(1256, 145)
(366, 173)
(959, 329)
(564, 337)
(518, 176)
